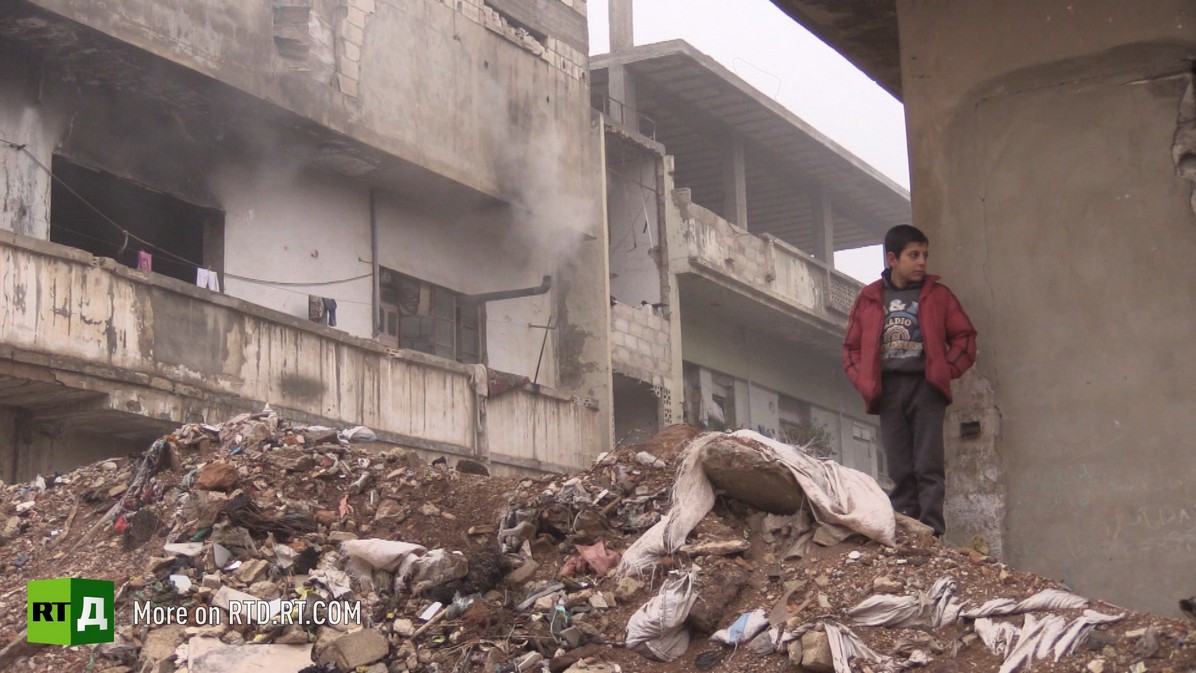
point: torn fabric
(657, 630)
(844, 501)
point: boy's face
(910, 265)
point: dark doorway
(180, 236)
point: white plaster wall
(473, 255)
(24, 187)
(635, 276)
(765, 410)
(295, 226)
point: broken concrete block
(816, 653)
(523, 573)
(357, 648)
(251, 571)
(720, 548)
(209, 655)
(216, 476)
(161, 642)
(751, 478)
(887, 585)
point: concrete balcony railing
(766, 264)
(153, 347)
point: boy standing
(907, 338)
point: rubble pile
(712, 552)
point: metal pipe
(376, 294)
(484, 297)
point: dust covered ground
(269, 509)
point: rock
(749, 477)
(293, 634)
(209, 655)
(523, 573)
(357, 648)
(428, 509)
(719, 548)
(216, 476)
(390, 512)
(404, 627)
(341, 536)
(887, 585)
(326, 517)
(160, 643)
(572, 637)
(211, 581)
(816, 653)
(251, 571)
(11, 528)
(472, 467)
(912, 525)
(599, 602)
(716, 592)
(1096, 666)
(627, 588)
(265, 590)
(794, 649)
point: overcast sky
(770, 51)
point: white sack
(657, 629)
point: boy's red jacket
(948, 339)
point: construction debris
(264, 545)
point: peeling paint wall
(24, 193)
(1043, 174)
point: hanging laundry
(207, 279)
(145, 261)
(330, 311)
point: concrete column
(621, 25)
(734, 181)
(824, 227)
(621, 89)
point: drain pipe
(544, 286)
(375, 295)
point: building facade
(378, 212)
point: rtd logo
(70, 611)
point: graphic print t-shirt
(901, 341)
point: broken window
(91, 210)
(428, 318)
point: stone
(627, 588)
(210, 581)
(11, 528)
(293, 634)
(749, 477)
(1096, 666)
(428, 509)
(326, 517)
(209, 655)
(404, 627)
(523, 573)
(251, 571)
(794, 649)
(216, 476)
(341, 536)
(472, 467)
(718, 548)
(389, 513)
(816, 652)
(887, 585)
(716, 592)
(356, 648)
(160, 643)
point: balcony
(95, 347)
(761, 280)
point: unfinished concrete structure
(724, 211)
(1054, 174)
(425, 164)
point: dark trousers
(911, 429)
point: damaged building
(385, 213)
(725, 211)
(1053, 174)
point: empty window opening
(428, 318)
(183, 237)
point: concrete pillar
(621, 25)
(734, 181)
(824, 227)
(621, 90)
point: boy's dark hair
(902, 235)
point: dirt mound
(450, 571)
